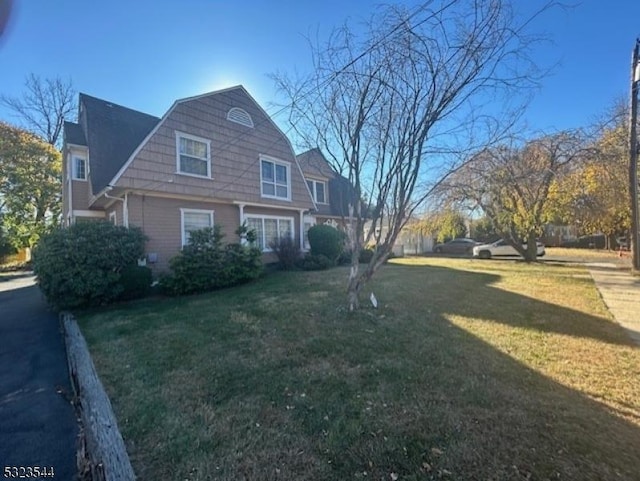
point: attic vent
(240, 116)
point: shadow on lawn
(395, 393)
(474, 411)
(473, 294)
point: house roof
(73, 134)
(314, 164)
(112, 133)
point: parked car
(502, 248)
(456, 246)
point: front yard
(468, 370)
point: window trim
(184, 211)
(283, 163)
(314, 191)
(74, 169)
(113, 217)
(180, 135)
(262, 217)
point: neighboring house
(331, 192)
(216, 158)
(410, 241)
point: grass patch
(470, 369)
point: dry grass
(470, 369)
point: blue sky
(145, 54)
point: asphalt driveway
(37, 422)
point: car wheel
(484, 254)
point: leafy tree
(381, 105)
(5, 246)
(446, 224)
(482, 229)
(511, 184)
(30, 180)
(595, 196)
(44, 106)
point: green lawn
(469, 370)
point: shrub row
(206, 264)
(95, 263)
(327, 250)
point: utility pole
(633, 156)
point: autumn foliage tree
(30, 179)
(446, 224)
(511, 184)
(594, 196)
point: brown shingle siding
(160, 219)
(80, 194)
(235, 152)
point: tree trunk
(354, 285)
(532, 248)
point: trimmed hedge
(315, 262)
(135, 282)
(81, 265)
(327, 241)
(365, 256)
(206, 264)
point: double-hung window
(79, 168)
(193, 155)
(318, 190)
(275, 179)
(194, 219)
(269, 229)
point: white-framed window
(240, 116)
(318, 190)
(269, 229)
(194, 219)
(79, 168)
(275, 178)
(112, 218)
(193, 155)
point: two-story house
(216, 158)
(331, 192)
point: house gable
(339, 191)
(235, 153)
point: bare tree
(511, 184)
(44, 106)
(387, 109)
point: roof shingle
(73, 134)
(113, 133)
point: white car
(502, 248)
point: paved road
(37, 424)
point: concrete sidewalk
(621, 293)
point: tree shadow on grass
(408, 391)
(449, 404)
(474, 294)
